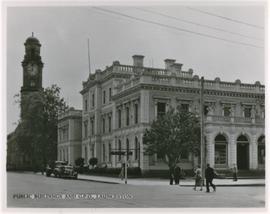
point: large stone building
(120, 102)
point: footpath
(165, 182)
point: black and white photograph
(135, 105)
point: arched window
(221, 151)
(242, 138)
(261, 150)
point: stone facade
(69, 135)
(120, 102)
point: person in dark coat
(177, 174)
(209, 176)
(171, 174)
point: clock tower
(32, 71)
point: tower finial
(32, 34)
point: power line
(225, 18)
(198, 24)
(176, 28)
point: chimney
(169, 63)
(177, 67)
(138, 60)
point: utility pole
(202, 130)
(126, 167)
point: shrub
(79, 162)
(93, 161)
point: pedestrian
(171, 174)
(122, 172)
(177, 174)
(209, 176)
(234, 171)
(198, 178)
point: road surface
(34, 190)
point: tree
(36, 132)
(93, 161)
(79, 162)
(171, 135)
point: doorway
(243, 156)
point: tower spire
(32, 34)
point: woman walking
(198, 178)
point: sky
(63, 33)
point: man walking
(177, 174)
(209, 176)
(171, 174)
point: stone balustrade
(236, 120)
(171, 78)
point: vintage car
(61, 169)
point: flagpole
(88, 48)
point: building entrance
(242, 152)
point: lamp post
(202, 130)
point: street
(53, 192)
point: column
(144, 108)
(232, 158)
(210, 149)
(253, 152)
(144, 159)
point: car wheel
(76, 177)
(48, 174)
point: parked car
(61, 169)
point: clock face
(32, 69)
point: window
(127, 148)
(85, 105)
(103, 152)
(161, 109)
(136, 115)
(32, 83)
(220, 150)
(119, 118)
(104, 97)
(110, 94)
(93, 150)
(206, 110)
(110, 123)
(86, 129)
(110, 149)
(103, 125)
(92, 127)
(93, 100)
(127, 116)
(247, 112)
(119, 148)
(227, 111)
(184, 107)
(137, 148)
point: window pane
(220, 153)
(161, 109)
